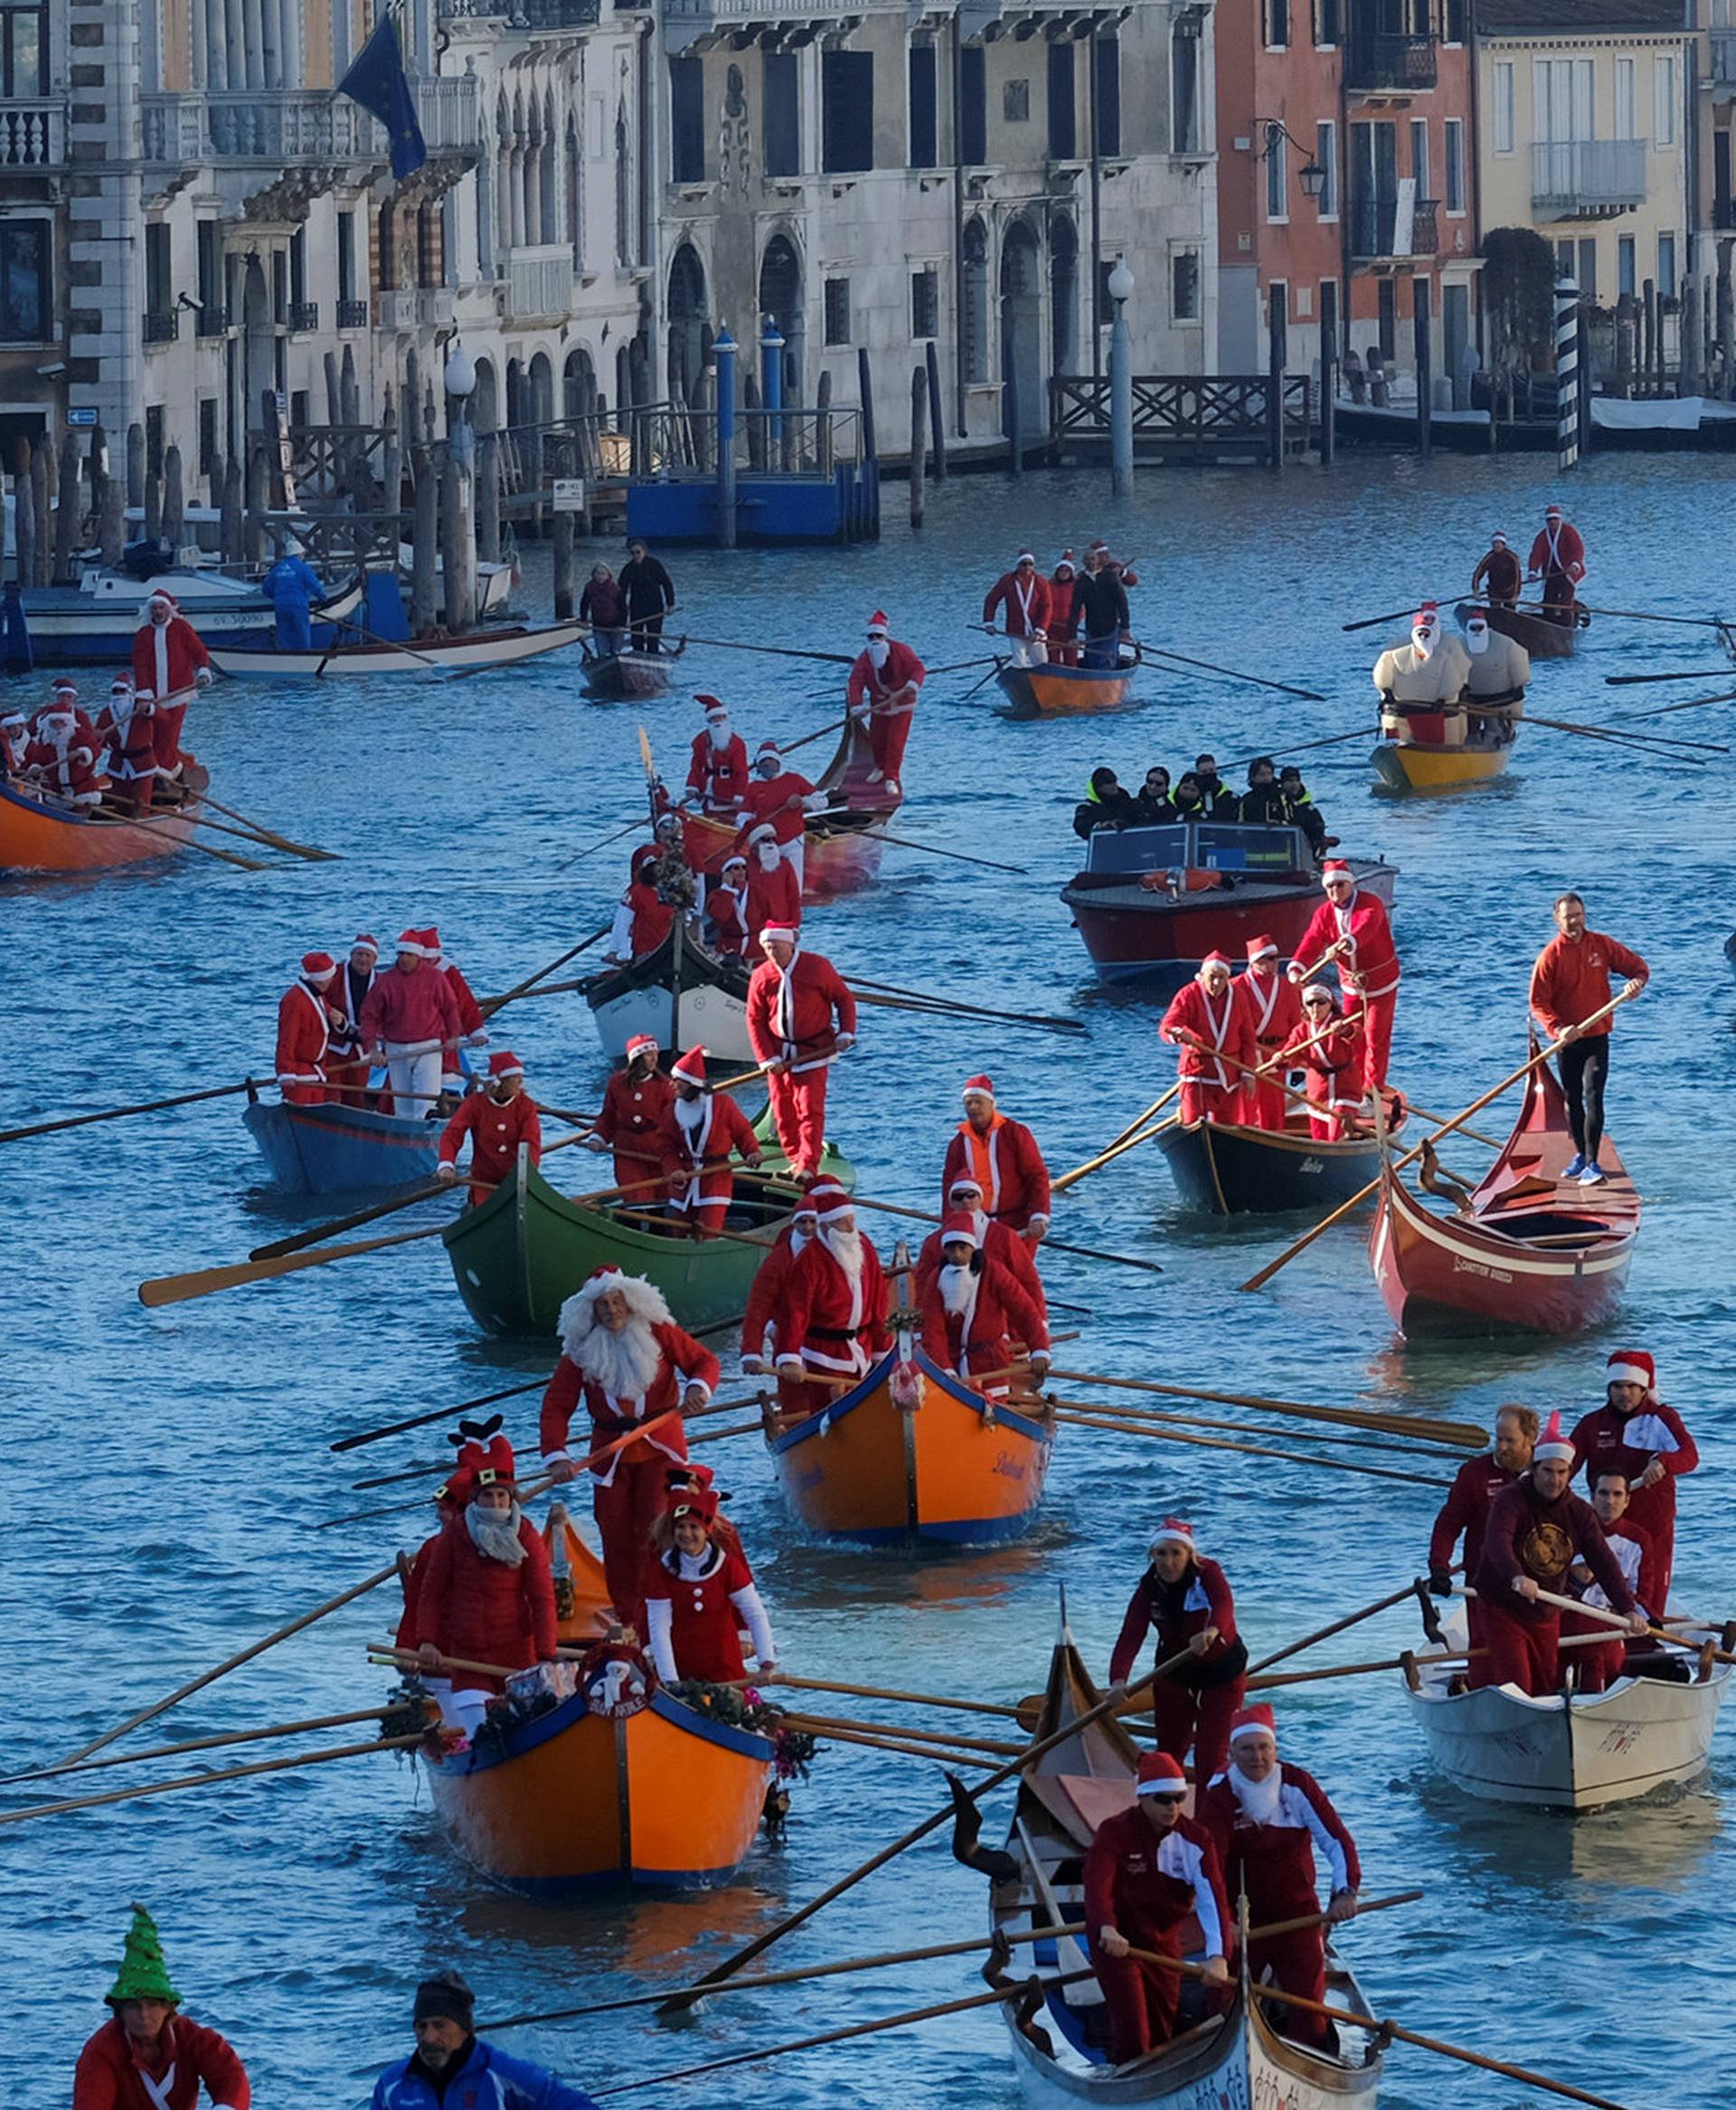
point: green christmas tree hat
(143, 1974)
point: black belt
(611, 1426)
(837, 1332)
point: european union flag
(377, 81)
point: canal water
(172, 1491)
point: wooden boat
(92, 624)
(912, 1454)
(36, 837)
(629, 676)
(1063, 692)
(682, 995)
(1542, 636)
(1153, 902)
(1534, 1253)
(843, 847)
(335, 1149)
(1231, 1171)
(1235, 2060)
(618, 1784)
(520, 1253)
(1578, 1751)
(474, 653)
(1473, 749)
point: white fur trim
(645, 1299)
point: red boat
(1528, 1252)
(1153, 902)
(36, 835)
(844, 844)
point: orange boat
(39, 837)
(844, 845)
(1051, 691)
(619, 1783)
(948, 1466)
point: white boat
(1580, 1751)
(92, 624)
(682, 995)
(470, 654)
(1232, 2061)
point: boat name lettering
(1009, 1467)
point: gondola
(683, 995)
(1530, 1252)
(1050, 691)
(474, 653)
(1542, 636)
(335, 1149)
(38, 836)
(1233, 2060)
(1230, 1170)
(613, 677)
(842, 847)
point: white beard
(878, 650)
(958, 1290)
(769, 855)
(691, 1113)
(625, 1364)
(1477, 641)
(720, 734)
(494, 1534)
(845, 1248)
(1257, 1800)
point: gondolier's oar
(886, 988)
(1640, 680)
(1284, 688)
(1278, 754)
(1397, 614)
(1054, 1245)
(490, 1005)
(776, 651)
(1337, 1626)
(1631, 615)
(78, 1121)
(1692, 704)
(181, 842)
(1614, 1618)
(1428, 1429)
(1671, 754)
(270, 835)
(959, 858)
(601, 844)
(1361, 1439)
(938, 1008)
(1102, 1419)
(227, 1737)
(807, 739)
(1259, 1280)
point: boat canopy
(1212, 846)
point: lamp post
(458, 498)
(723, 350)
(1121, 285)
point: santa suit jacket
(414, 1580)
(998, 1242)
(1371, 951)
(469, 1605)
(1571, 982)
(791, 1013)
(1027, 606)
(826, 1317)
(166, 657)
(1558, 550)
(719, 775)
(1467, 1509)
(108, 2078)
(65, 753)
(767, 799)
(767, 1294)
(495, 1131)
(1334, 1066)
(631, 1122)
(1604, 1441)
(726, 909)
(410, 1009)
(1274, 1861)
(979, 1339)
(1272, 1007)
(1526, 1536)
(1179, 1611)
(128, 729)
(1221, 1023)
(693, 1619)
(346, 992)
(699, 1157)
(650, 918)
(773, 897)
(1436, 681)
(1008, 1166)
(877, 685)
(464, 1001)
(1144, 1884)
(301, 1036)
(683, 1362)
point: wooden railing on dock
(1183, 416)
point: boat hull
(1543, 638)
(948, 1470)
(1231, 1171)
(681, 995)
(333, 1149)
(1411, 766)
(627, 677)
(843, 849)
(36, 838)
(75, 626)
(1062, 692)
(472, 654)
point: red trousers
(889, 734)
(626, 1510)
(1202, 1100)
(1519, 1652)
(1181, 1717)
(798, 1108)
(1298, 1963)
(1063, 651)
(1262, 1098)
(1143, 1997)
(1594, 1668)
(1377, 1028)
(168, 735)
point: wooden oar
(1408, 1661)
(1360, 1440)
(959, 858)
(1464, 1435)
(207, 1780)
(1399, 614)
(1054, 1245)
(1614, 1618)
(774, 651)
(602, 843)
(365, 1714)
(807, 739)
(1296, 1926)
(973, 1706)
(1265, 1274)
(270, 835)
(1692, 704)
(1284, 688)
(883, 989)
(490, 1005)
(1304, 747)
(183, 842)
(1338, 1626)
(1673, 750)
(78, 1121)
(1630, 615)
(935, 1009)
(1170, 1435)
(999, 1746)
(1639, 680)
(438, 1413)
(933, 1745)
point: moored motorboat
(842, 846)
(92, 624)
(1231, 1170)
(335, 1149)
(1541, 635)
(36, 835)
(1528, 1252)
(682, 994)
(1051, 691)
(474, 653)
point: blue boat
(92, 624)
(333, 1149)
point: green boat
(521, 1253)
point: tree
(1518, 302)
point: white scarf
(784, 1012)
(1257, 1800)
(494, 1533)
(1253, 979)
(1024, 596)
(1219, 1026)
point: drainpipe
(957, 227)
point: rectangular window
(1588, 270)
(1503, 101)
(345, 256)
(1108, 93)
(299, 267)
(1015, 102)
(208, 464)
(925, 302)
(1453, 151)
(1325, 154)
(1063, 112)
(1666, 265)
(1625, 103)
(1626, 274)
(25, 292)
(837, 311)
(1277, 25)
(1387, 323)
(686, 120)
(159, 289)
(973, 105)
(1563, 260)
(1184, 86)
(783, 115)
(1325, 23)
(299, 410)
(846, 111)
(211, 267)
(1664, 100)
(24, 52)
(925, 131)
(1184, 285)
(1419, 155)
(1278, 324)
(1455, 18)
(1277, 177)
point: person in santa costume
(1022, 593)
(635, 1102)
(1332, 1053)
(1186, 1598)
(304, 1017)
(772, 1279)
(1426, 676)
(973, 1312)
(63, 752)
(832, 1321)
(1558, 559)
(345, 1065)
(1465, 1511)
(149, 2055)
(449, 1498)
(473, 1023)
(784, 798)
(623, 1355)
(1648, 1442)
(1149, 1873)
(488, 1594)
(702, 1129)
(774, 886)
(1499, 574)
(1536, 1530)
(410, 1022)
(884, 683)
(1001, 1154)
(126, 729)
(1272, 1008)
(643, 918)
(801, 1015)
(1208, 1025)
(718, 774)
(1267, 1818)
(1597, 1665)
(14, 739)
(1498, 668)
(499, 1121)
(1570, 984)
(726, 908)
(169, 661)
(1063, 628)
(995, 1240)
(1351, 927)
(696, 1589)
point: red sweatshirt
(1571, 982)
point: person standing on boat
(1150, 1871)
(128, 726)
(1208, 1025)
(1098, 610)
(1265, 1818)
(499, 1121)
(649, 593)
(14, 739)
(973, 1310)
(1186, 1598)
(832, 1323)
(801, 1017)
(410, 1022)
(1063, 628)
(1332, 1053)
(1499, 574)
(1465, 1511)
(603, 606)
(643, 918)
(726, 908)
(147, 2055)
(1569, 984)
(635, 1101)
(698, 1592)
(1635, 1434)
(1423, 680)
(1558, 559)
(995, 1240)
(772, 1279)
(1352, 927)
(344, 1066)
(701, 1128)
(1597, 1667)
(1273, 1010)
(473, 1024)
(623, 1355)
(1497, 666)
(884, 683)
(451, 2069)
(1002, 1157)
(717, 776)
(304, 1017)
(169, 661)
(774, 891)
(292, 586)
(1023, 596)
(783, 799)
(1536, 1530)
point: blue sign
(77, 420)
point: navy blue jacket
(487, 2080)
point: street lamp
(1310, 176)
(459, 379)
(1121, 282)
(1120, 290)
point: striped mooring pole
(1567, 373)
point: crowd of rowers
(1429, 685)
(1072, 617)
(1275, 798)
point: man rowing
(1558, 559)
(1331, 1050)
(305, 1020)
(1570, 984)
(702, 1131)
(410, 1022)
(1351, 927)
(994, 1238)
(884, 683)
(1648, 1442)
(1598, 1665)
(1216, 1038)
(1272, 1010)
(1188, 1600)
(634, 1101)
(832, 1323)
(1002, 1156)
(782, 798)
(500, 1121)
(1424, 678)
(1098, 613)
(1022, 595)
(801, 1016)
(1465, 1514)
(1499, 574)
(717, 774)
(974, 1308)
(1497, 666)
(772, 1279)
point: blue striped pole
(1567, 373)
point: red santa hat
(787, 933)
(159, 594)
(1553, 1444)
(1254, 1721)
(1173, 1531)
(733, 859)
(1551, 512)
(1064, 562)
(691, 1068)
(64, 684)
(1024, 557)
(411, 941)
(1428, 617)
(1632, 1367)
(644, 859)
(959, 1228)
(121, 686)
(365, 938)
(1264, 947)
(715, 707)
(829, 1199)
(979, 1087)
(1336, 868)
(877, 623)
(768, 747)
(503, 1063)
(692, 1502)
(431, 942)
(485, 1460)
(1097, 548)
(640, 1043)
(318, 967)
(578, 1315)
(1498, 536)
(1216, 960)
(1160, 1774)
(764, 833)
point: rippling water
(170, 1473)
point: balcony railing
(304, 315)
(435, 306)
(560, 14)
(162, 325)
(398, 310)
(352, 315)
(1723, 58)
(539, 281)
(210, 321)
(447, 112)
(301, 125)
(1392, 63)
(1375, 234)
(33, 134)
(1587, 179)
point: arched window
(688, 329)
(780, 302)
(976, 316)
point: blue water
(170, 1475)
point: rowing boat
(1559, 1751)
(618, 1783)
(1232, 2060)
(37, 837)
(1529, 1252)
(1542, 636)
(629, 676)
(682, 994)
(474, 653)
(1050, 691)
(333, 1148)
(842, 848)
(1441, 751)
(1231, 1170)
